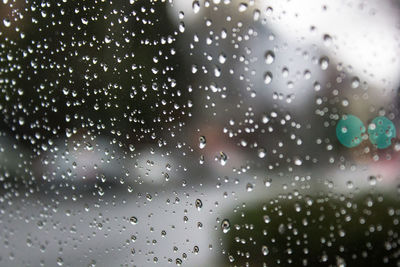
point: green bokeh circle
(381, 131)
(349, 131)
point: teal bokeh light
(349, 131)
(381, 131)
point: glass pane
(199, 133)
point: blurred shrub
(316, 231)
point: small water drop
(242, 7)
(202, 160)
(217, 71)
(249, 187)
(349, 184)
(222, 58)
(372, 180)
(107, 39)
(225, 226)
(60, 261)
(182, 27)
(198, 204)
(268, 77)
(264, 250)
(324, 63)
(223, 158)
(196, 6)
(133, 220)
(327, 40)
(298, 161)
(7, 22)
(355, 82)
(269, 57)
(262, 153)
(202, 142)
(256, 14)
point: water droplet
(217, 71)
(249, 187)
(7, 22)
(242, 7)
(324, 63)
(355, 82)
(349, 184)
(265, 119)
(198, 204)
(133, 220)
(262, 153)
(256, 14)
(269, 57)
(194, 68)
(327, 39)
(202, 160)
(264, 250)
(131, 147)
(225, 226)
(397, 147)
(372, 180)
(202, 142)
(269, 11)
(60, 261)
(182, 27)
(298, 161)
(223, 158)
(267, 182)
(222, 58)
(268, 77)
(107, 39)
(196, 6)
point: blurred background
(197, 133)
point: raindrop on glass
(225, 226)
(268, 77)
(133, 220)
(269, 57)
(262, 153)
(196, 6)
(202, 142)
(324, 63)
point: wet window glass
(199, 133)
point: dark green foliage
(363, 231)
